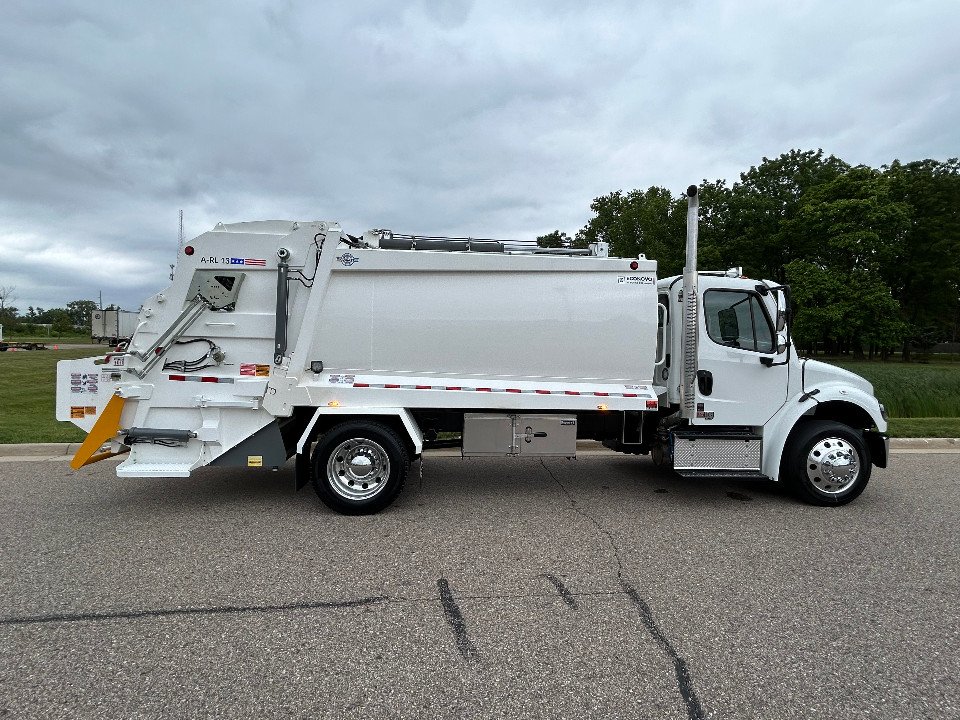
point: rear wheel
(359, 467)
(826, 463)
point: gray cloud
(501, 119)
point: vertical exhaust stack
(688, 408)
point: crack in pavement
(684, 682)
(163, 612)
(94, 616)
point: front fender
(779, 427)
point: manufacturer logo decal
(634, 280)
(347, 259)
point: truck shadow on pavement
(445, 480)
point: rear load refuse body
(350, 354)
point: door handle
(705, 381)
(529, 435)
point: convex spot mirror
(781, 342)
(781, 321)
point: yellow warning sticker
(90, 410)
(263, 371)
(254, 460)
(76, 412)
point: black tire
(826, 463)
(358, 468)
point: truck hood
(816, 374)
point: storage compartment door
(488, 434)
(547, 435)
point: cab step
(717, 450)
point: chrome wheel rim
(358, 469)
(833, 465)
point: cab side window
(737, 319)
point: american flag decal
(248, 261)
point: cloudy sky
(441, 116)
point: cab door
(733, 386)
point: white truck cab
(759, 410)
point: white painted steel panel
(505, 318)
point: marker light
(188, 250)
(602, 407)
(333, 403)
(634, 265)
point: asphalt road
(493, 588)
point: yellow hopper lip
(106, 428)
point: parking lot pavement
(599, 587)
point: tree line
(75, 316)
(872, 255)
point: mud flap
(879, 446)
(302, 469)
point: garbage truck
(351, 354)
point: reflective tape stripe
(201, 378)
(462, 388)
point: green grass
(27, 394)
(924, 427)
(911, 390)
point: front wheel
(826, 463)
(359, 467)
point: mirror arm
(768, 361)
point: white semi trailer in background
(112, 326)
(352, 354)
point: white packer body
(395, 330)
